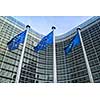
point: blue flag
(15, 42)
(47, 40)
(75, 41)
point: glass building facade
(72, 68)
(38, 67)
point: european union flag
(15, 42)
(75, 41)
(47, 40)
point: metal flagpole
(54, 58)
(85, 56)
(22, 55)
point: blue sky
(43, 24)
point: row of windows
(84, 79)
(26, 80)
(76, 58)
(71, 63)
(80, 80)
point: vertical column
(85, 56)
(22, 55)
(54, 58)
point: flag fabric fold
(74, 42)
(46, 41)
(15, 41)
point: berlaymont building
(38, 67)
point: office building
(38, 67)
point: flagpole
(54, 57)
(22, 56)
(85, 56)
